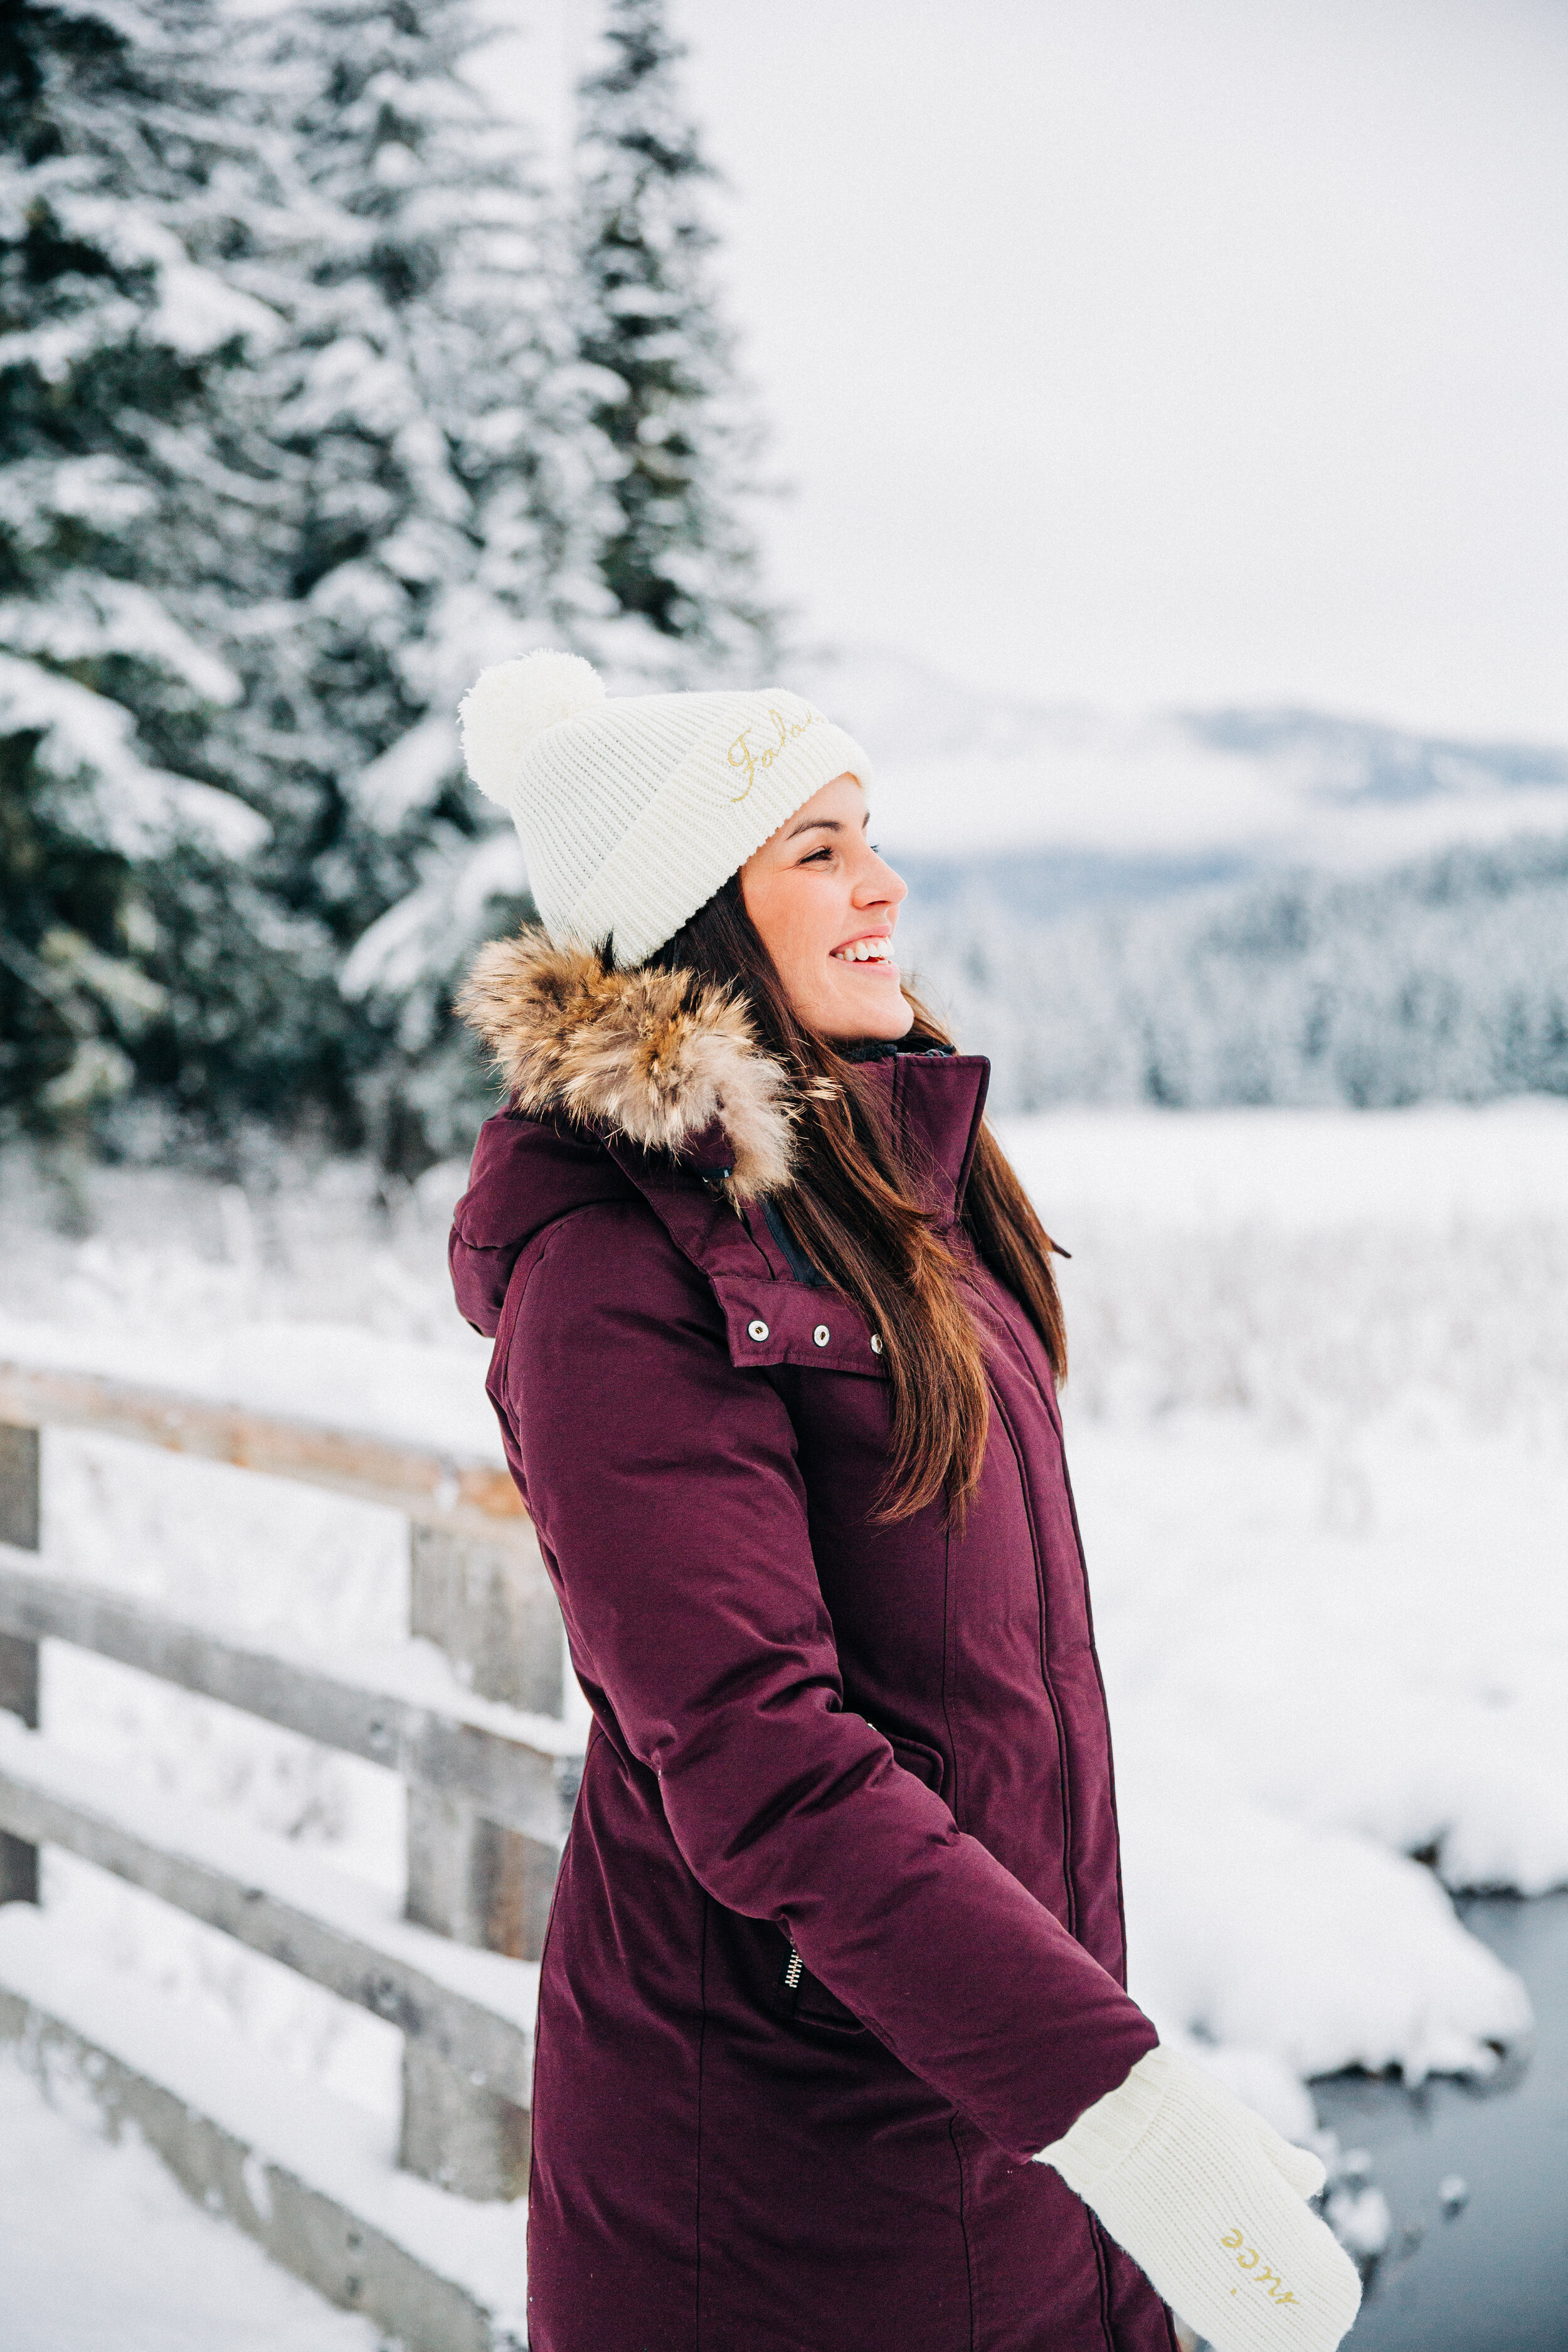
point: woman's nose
(881, 885)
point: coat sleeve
(664, 1481)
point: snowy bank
(1319, 1425)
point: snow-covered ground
(1319, 1424)
(102, 2253)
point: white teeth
(863, 951)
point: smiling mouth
(877, 951)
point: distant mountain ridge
(1360, 759)
(1071, 806)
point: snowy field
(1319, 1424)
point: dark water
(1493, 2277)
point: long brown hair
(855, 1211)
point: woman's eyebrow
(824, 825)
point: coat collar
(938, 1103)
(671, 1065)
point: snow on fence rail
(491, 1767)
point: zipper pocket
(824, 2012)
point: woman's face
(826, 904)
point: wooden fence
(490, 1770)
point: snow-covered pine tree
(128, 533)
(449, 494)
(611, 522)
(686, 443)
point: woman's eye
(817, 856)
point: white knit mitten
(1208, 2200)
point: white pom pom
(513, 702)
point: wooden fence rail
(477, 1733)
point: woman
(834, 2053)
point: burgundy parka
(837, 1940)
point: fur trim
(656, 1056)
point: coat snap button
(875, 1344)
(757, 1330)
(821, 1335)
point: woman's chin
(869, 1008)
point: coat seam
(1053, 1414)
(528, 1261)
(530, 1258)
(1069, 1874)
(596, 1730)
(1104, 1707)
(963, 2229)
(1097, 2242)
(701, 2054)
(950, 1664)
(543, 1231)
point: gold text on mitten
(1257, 2270)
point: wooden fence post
(487, 1602)
(18, 1659)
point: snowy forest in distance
(316, 394)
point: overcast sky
(1158, 350)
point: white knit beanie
(633, 810)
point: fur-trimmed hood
(657, 1057)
